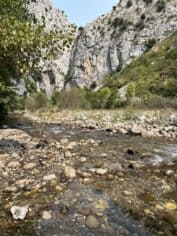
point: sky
(82, 12)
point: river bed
(123, 185)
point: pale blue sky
(81, 12)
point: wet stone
(130, 151)
(64, 209)
(85, 211)
(92, 222)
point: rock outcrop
(53, 70)
(104, 46)
(113, 40)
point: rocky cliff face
(53, 70)
(115, 39)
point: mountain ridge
(104, 46)
(112, 41)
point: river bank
(146, 123)
(98, 182)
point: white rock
(18, 212)
(29, 166)
(71, 145)
(14, 164)
(64, 141)
(169, 172)
(49, 177)
(46, 215)
(67, 154)
(70, 172)
(101, 171)
(83, 159)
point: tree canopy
(21, 42)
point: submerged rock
(92, 222)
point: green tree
(130, 93)
(21, 42)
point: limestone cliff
(115, 39)
(53, 70)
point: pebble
(64, 209)
(169, 172)
(71, 145)
(46, 215)
(92, 222)
(85, 211)
(130, 151)
(14, 164)
(135, 130)
(67, 154)
(100, 205)
(122, 131)
(69, 172)
(128, 193)
(88, 181)
(29, 166)
(83, 159)
(22, 182)
(101, 171)
(64, 141)
(49, 177)
(10, 189)
(18, 212)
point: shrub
(104, 98)
(75, 98)
(20, 48)
(37, 101)
(150, 43)
(81, 28)
(56, 99)
(122, 23)
(130, 93)
(160, 5)
(148, 1)
(129, 4)
(140, 24)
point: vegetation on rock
(154, 74)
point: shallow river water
(119, 201)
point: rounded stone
(92, 222)
(46, 215)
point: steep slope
(53, 69)
(112, 41)
(153, 74)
